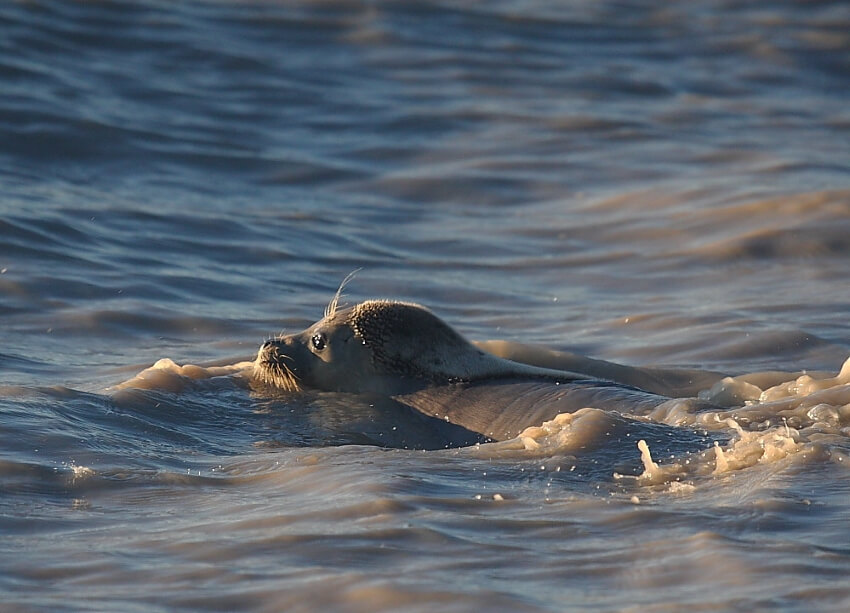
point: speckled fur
(408, 340)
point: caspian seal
(402, 352)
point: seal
(384, 347)
(403, 353)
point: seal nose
(269, 349)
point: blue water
(647, 183)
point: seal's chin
(270, 368)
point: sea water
(646, 183)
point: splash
(721, 463)
(795, 419)
(566, 433)
(168, 376)
(807, 385)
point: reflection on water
(651, 185)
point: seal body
(402, 356)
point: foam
(801, 419)
(166, 375)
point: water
(649, 184)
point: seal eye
(319, 341)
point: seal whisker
(280, 375)
(270, 368)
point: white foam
(167, 375)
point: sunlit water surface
(667, 185)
